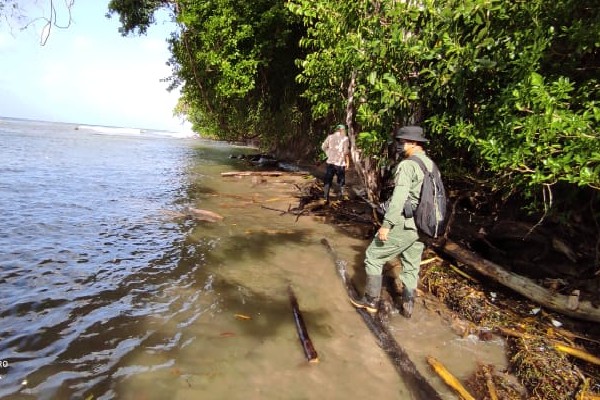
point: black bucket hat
(412, 133)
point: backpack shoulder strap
(420, 163)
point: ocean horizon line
(109, 129)
(87, 124)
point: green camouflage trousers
(401, 242)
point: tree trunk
(367, 172)
(580, 309)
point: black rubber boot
(408, 302)
(326, 189)
(343, 195)
(370, 300)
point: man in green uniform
(398, 234)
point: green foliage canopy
(235, 62)
(136, 16)
(508, 88)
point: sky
(88, 73)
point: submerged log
(203, 215)
(524, 286)
(307, 345)
(419, 387)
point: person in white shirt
(337, 149)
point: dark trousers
(335, 170)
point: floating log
(309, 349)
(520, 284)
(419, 387)
(450, 380)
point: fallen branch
(260, 173)
(294, 211)
(275, 209)
(430, 260)
(449, 379)
(520, 284)
(582, 355)
(309, 349)
(252, 173)
(489, 381)
(462, 273)
(512, 333)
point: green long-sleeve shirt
(408, 180)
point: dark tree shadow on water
(268, 311)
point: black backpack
(430, 214)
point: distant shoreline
(84, 124)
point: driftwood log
(419, 387)
(195, 213)
(307, 345)
(580, 309)
(204, 215)
(261, 173)
(449, 379)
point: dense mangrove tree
(235, 63)
(508, 91)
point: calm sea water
(108, 290)
(84, 245)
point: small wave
(173, 134)
(107, 130)
(188, 134)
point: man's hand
(382, 234)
